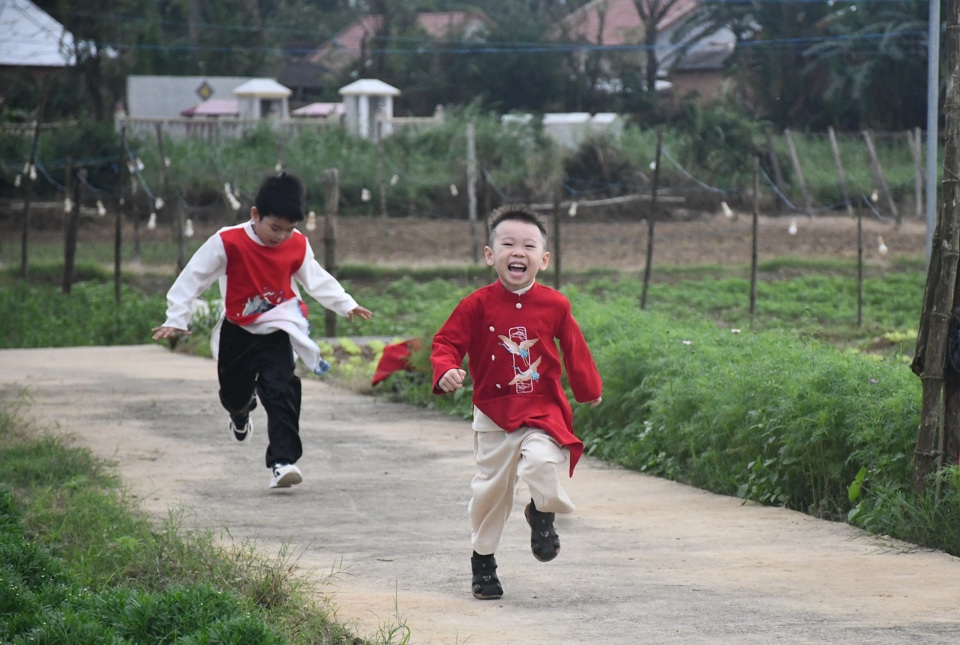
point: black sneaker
(486, 585)
(544, 541)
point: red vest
(259, 277)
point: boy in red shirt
(261, 265)
(522, 420)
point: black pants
(262, 363)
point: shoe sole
(479, 596)
(287, 480)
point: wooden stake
(472, 191)
(331, 206)
(878, 175)
(798, 171)
(842, 180)
(651, 219)
(71, 225)
(755, 247)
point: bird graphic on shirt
(530, 374)
(522, 349)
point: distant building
(366, 101)
(168, 96)
(695, 65)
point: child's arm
(203, 269)
(326, 290)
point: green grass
(80, 563)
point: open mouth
(517, 268)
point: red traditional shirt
(511, 340)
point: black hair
(281, 195)
(518, 214)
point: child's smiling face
(518, 253)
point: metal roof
(29, 37)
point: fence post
(71, 225)
(879, 176)
(29, 175)
(381, 172)
(651, 219)
(798, 169)
(755, 232)
(472, 191)
(122, 175)
(557, 239)
(916, 148)
(775, 162)
(331, 205)
(842, 179)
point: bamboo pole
(71, 226)
(798, 171)
(941, 287)
(122, 175)
(842, 180)
(557, 255)
(29, 175)
(878, 175)
(774, 162)
(472, 191)
(381, 170)
(331, 206)
(755, 235)
(651, 219)
(915, 142)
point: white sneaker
(240, 435)
(285, 476)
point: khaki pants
(502, 457)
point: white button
(491, 328)
(492, 357)
(519, 306)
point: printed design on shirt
(525, 372)
(261, 303)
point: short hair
(281, 195)
(517, 214)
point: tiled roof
(620, 20)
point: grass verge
(81, 564)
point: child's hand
(452, 380)
(160, 333)
(363, 312)
(595, 402)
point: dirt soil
(380, 520)
(685, 240)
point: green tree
(874, 63)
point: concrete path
(381, 515)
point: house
(693, 66)
(350, 45)
(150, 97)
(30, 38)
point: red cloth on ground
(395, 358)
